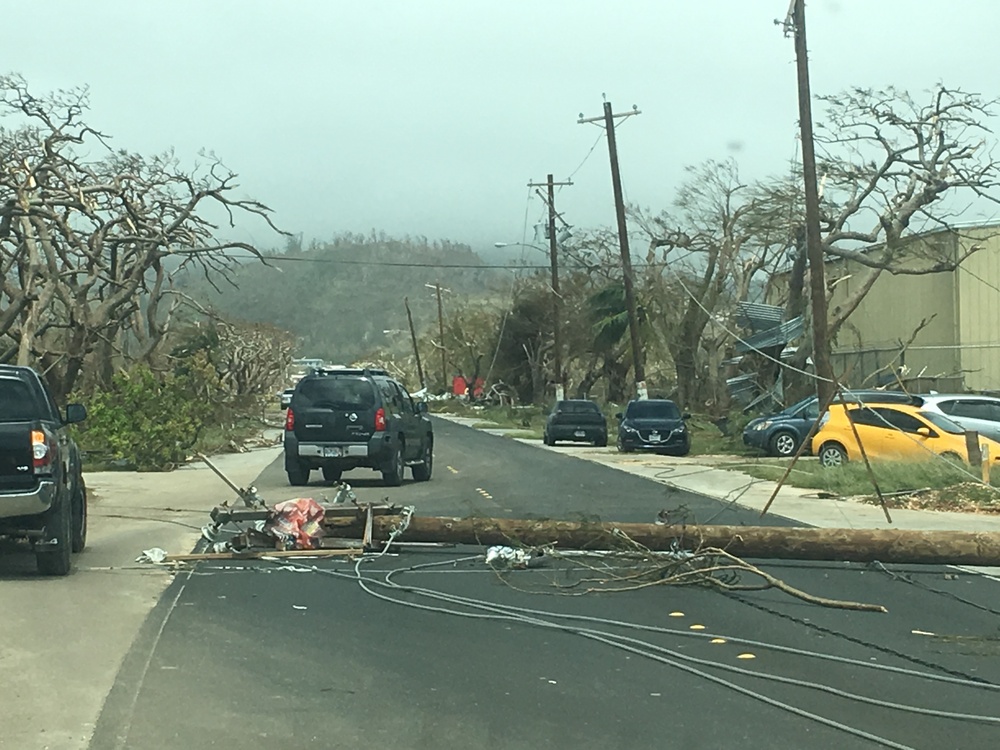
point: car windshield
(942, 423)
(335, 393)
(16, 402)
(652, 410)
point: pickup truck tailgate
(15, 457)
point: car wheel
(832, 455)
(79, 510)
(332, 474)
(782, 444)
(422, 471)
(547, 440)
(59, 527)
(298, 475)
(392, 473)
(622, 448)
(601, 442)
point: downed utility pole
(413, 338)
(774, 542)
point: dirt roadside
(63, 640)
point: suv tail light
(42, 452)
(380, 420)
(289, 420)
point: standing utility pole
(556, 296)
(814, 243)
(444, 357)
(638, 364)
(444, 353)
(413, 338)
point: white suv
(979, 413)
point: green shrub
(149, 420)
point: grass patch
(852, 479)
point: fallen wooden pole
(764, 542)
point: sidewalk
(708, 476)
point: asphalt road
(425, 650)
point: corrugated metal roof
(777, 336)
(758, 316)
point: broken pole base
(763, 542)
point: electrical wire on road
(478, 609)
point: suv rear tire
(392, 472)
(422, 471)
(332, 474)
(298, 475)
(56, 562)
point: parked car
(341, 419)
(653, 424)
(43, 498)
(891, 431)
(577, 420)
(979, 413)
(781, 434)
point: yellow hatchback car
(891, 431)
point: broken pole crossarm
(762, 542)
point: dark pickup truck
(42, 495)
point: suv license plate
(654, 437)
(579, 433)
(334, 452)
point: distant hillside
(339, 297)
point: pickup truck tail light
(42, 451)
(380, 420)
(289, 420)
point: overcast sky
(429, 118)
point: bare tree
(90, 247)
(722, 236)
(892, 167)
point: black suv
(341, 418)
(653, 424)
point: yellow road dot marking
(697, 627)
(718, 640)
(676, 614)
(746, 656)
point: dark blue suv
(781, 434)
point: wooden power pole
(638, 363)
(413, 338)
(814, 243)
(899, 546)
(444, 352)
(560, 381)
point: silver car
(979, 413)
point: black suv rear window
(653, 410)
(16, 401)
(335, 393)
(578, 407)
